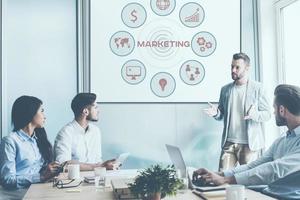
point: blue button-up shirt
(281, 159)
(20, 160)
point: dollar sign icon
(133, 14)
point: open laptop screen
(177, 159)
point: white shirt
(281, 159)
(237, 132)
(73, 142)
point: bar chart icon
(191, 14)
(193, 18)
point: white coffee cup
(73, 171)
(235, 192)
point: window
(288, 41)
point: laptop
(187, 172)
(177, 159)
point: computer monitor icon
(133, 71)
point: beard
(239, 76)
(280, 121)
(234, 76)
(92, 119)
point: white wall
(144, 129)
(39, 57)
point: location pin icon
(163, 82)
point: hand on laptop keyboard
(199, 181)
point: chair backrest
(12, 194)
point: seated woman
(26, 154)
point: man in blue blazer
(243, 107)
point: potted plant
(156, 182)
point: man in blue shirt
(282, 158)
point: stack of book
(215, 192)
(121, 189)
(216, 195)
(89, 179)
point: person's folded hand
(50, 171)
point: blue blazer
(255, 96)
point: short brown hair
(81, 101)
(242, 56)
(289, 97)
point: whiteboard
(162, 50)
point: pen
(249, 109)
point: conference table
(46, 191)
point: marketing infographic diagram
(162, 50)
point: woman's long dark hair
(23, 111)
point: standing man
(281, 159)
(80, 141)
(243, 107)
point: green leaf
(155, 179)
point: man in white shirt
(80, 141)
(281, 159)
(244, 108)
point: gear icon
(208, 45)
(201, 41)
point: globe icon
(163, 4)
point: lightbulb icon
(162, 82)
